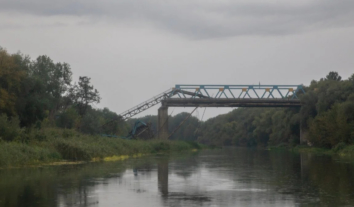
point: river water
(226, 177)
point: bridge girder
(230, 102)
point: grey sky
(134, 50)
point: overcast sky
(134, 50)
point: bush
(338, 147)
(195, 145)
(14, 154)
(9, 129)
(161, 146)
(72, 151)
(52, 144)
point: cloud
(203, 19)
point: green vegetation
(40, 93)
(50, 145)
(326, 119)
(44, 117)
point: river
(223, 177)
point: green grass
(13, 153)
(52, 145)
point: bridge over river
(218, 96)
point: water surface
(227, 177)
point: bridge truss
(240, 91)
(223, 96)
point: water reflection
(229, 177)
(162, 177)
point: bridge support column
(162, 122)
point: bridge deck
(230, 102)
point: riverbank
(340, 149)
(57, 145)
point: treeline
(326, 119)
(187, 132)
(40, 93)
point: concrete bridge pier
(162, 123)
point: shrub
(72, 151)
(9, 129)
(338, 147)
(161, 146)
(13, 154)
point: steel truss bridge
(223, 96)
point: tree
(54, 80)
(333, 76)
(68, 119)
(10, 81)
(42, 89)
(110, 122)
(263, 124)
(83, 94)
(90, 123)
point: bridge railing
(238, 91)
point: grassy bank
(340, 149)
(52, 145)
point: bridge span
(230, 102)
(218, 96)
(226, 96)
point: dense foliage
(58, 144)
(326, 119)
(40, 92)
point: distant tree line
(40, 91)
(326, 118)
